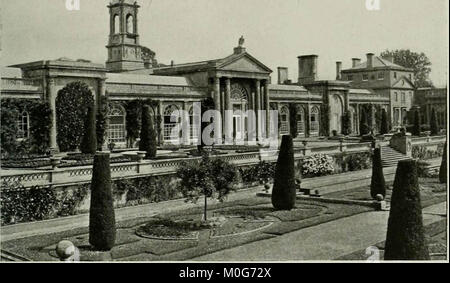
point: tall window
(403, 97)
(301, 120)
(116, 24)
(396, 96)
(314, 118)
(381, 76)
(194, 121)
(365, 77)
(169, 125)
(116, 129)
(23, 126)
(284, 119)
(130, 24)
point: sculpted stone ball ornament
(66, 251)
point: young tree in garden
(378, 184)
(384, 123)
(419, 62)
(416, 127)
(443, 169)
(210, 179)
(148, 134)
(293, 112)
(284, 189)
(89, 140)
(102, 223)
(405, 238)
(433, 124)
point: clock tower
(124, 51)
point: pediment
(245, 63)
(403, 82)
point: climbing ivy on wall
(71, 109)
(40, 122)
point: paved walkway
(322, 242)
(78, 221)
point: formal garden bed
(256, 213)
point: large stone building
(238, 81)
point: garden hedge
(102, 224)
(405, 238)
(284, 189)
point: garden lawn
(264, 223)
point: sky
(276, 31)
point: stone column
(257, 104)
(358, 119)
(161, 124)
(185, 125)
(51, 94)
(228, 124)
(218, 102)
(267, 107)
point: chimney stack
(338, 70)
(355, 62)
(307, 68)
(283, 75)
(370, 60)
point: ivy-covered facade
(132, 76)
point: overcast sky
(276, 31)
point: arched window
(314, 119)
(300, 120)
(116, 24)
(116, 129)
(23, 126)
(130, 24)
(169, 125)
(284, 120)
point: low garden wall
(65, 191)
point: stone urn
(55, 161)
(305, 143)
(141, 156)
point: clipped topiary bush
(378, 184)
(433, 124)
(148, 134)
(405, 238)
(416, 127)
(384, 123)
(102, 223)
(443, 169)
(284, 193)
(89, 140)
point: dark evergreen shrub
(293, 120)
(416, 126)
(364, 125)
(89, 141)
(378, 184)
(347, 123)
(284, 193)
(102, 224)
(148, 134)
(102, 123)
(405, 238)
(207, 104)
(71, 105)
(433, 124)
(443, 169)
(384, 123)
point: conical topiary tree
(405, 238)
(364, 125)
(443, 169)
(384, 123)
(284, 193)
(148, 134)
(102, 224)
(89, 141)
(416, 127)
(378, 184)
(433, 124)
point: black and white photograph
(224, 131)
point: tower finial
(241, 41)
